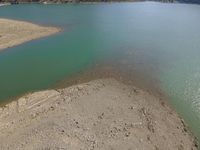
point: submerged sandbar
(14, 32)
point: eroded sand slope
(102, 114)
(14, 32)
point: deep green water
(159, 41)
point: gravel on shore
(102, 114)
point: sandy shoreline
(4, 4)
(101, 114)
(14, 32)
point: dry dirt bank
(101, 114)
(13, 32)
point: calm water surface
(159, 41)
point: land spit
(14, 32)
(100, 114)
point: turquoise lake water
(160, 42)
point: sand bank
(13, 32)
(4, 4)
(101, 114)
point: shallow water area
(151, 43)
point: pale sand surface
(102, 114)
(13, 32)
(4, 4)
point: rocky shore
(101, 114)
(14, 32)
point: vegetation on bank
(190, 1)
(76, 1)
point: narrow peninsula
(14, 32)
